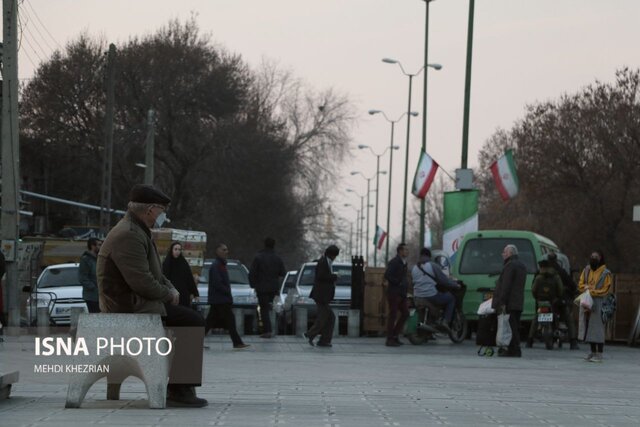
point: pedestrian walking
(130, 280)
(266, 274)
(322, 292)
(397, 278)
(87, 275)
(508, 297)
(176, 268)
(596, 279)
(220, 298)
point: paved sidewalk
(359, 382)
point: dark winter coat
(177, 270)
(396, 276)
(87, 276)
(219, 284)
(547, 285)
(569, 285)
(266, 271)
(510, 285)
(324, 285)
(129, 271)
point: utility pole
(10, 216)
(150, 147)
(107, 163)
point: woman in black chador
(176, 268)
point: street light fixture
(378, 172)
(394, 147)
(391, 147)
(406, 163)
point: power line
(42, 23)
(29, 21)
(33, 38)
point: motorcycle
(428, 323)
(549, 328)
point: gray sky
(524, 51)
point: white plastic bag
(503, 337)
(485, 308)
(584, 300)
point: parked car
(59, 289)
(243, 294)
(284, 301)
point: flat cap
(144, 193)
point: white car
(59, 289)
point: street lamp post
(378, 173)
(406, 163)
(424, 111)
(351, 229)
(393, 122)
(349, 190)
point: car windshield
(56, 277)
(484, 256)
(343, 271)
(237, 274)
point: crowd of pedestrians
(124, 274)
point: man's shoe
(442, 326)
(241, 346)
(589, 356)
(182, 396)
(324, 344)
(309, 338)
(266, 335)
(392, 343)
(574, 345)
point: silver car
(59, 289)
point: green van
(478, 264)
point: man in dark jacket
(265, 276)
(323, 291)
(87, 275)
(570, 289)
(509, 296)
(130, 280)
(396, 276)
(221, 299)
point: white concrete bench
(152, 369)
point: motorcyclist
(570, 291)
(427, 278)
(547, 286)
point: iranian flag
(378, 239)
(504, 173)
(460, 218)
(425, 173)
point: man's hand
(175, 297)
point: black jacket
(396, 276)
(266, 270)
(179, 273)
(324, 286)
(569, 285)
(219, 284)
(510, 285)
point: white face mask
(161, 219)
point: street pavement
(358, 382)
